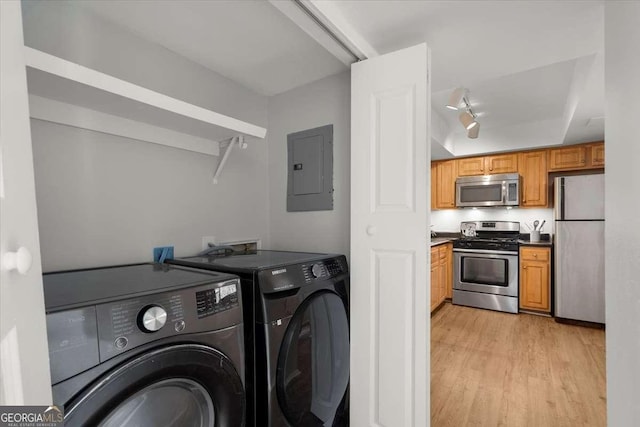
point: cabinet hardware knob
(524, 267)
(535, 255)
(371, 230)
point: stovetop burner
(489, 235)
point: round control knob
(316, 270)
(152, 318)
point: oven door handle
(486, 251)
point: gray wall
(622, 238)
(105, 200)
(324, 102)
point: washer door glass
(179, 385)
(313, 364)
(175, 402)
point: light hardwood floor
(499, 369)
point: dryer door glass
(175, 402)
(313, 364)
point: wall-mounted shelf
(68, 93)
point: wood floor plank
(499, 369)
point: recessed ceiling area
(534, 68)
(532, 95)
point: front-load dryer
(146, 345)
(296, 308)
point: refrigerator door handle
(559, 198)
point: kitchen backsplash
(449, 220)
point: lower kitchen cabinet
(441, 273)
(449, 268)
(535, 278)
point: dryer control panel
(294, 276)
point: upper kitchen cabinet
(568, 158)
(444, 184)
(434, 185)
(597, 154)
(488, 165)
(505, 163)
(533, 170)
(471, 166)
(585, 156)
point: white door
(24, 357)
(390, 107)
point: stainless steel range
(485, 264)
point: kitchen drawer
(534, 254)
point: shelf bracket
(227, 151)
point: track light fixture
(474, 131)
(459, 101)
(456, 98)
(468, 120)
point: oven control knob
(316, 270)
(152, 318)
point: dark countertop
(546, 240)
(435, 241)
(543, 243)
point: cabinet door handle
(524, 267)
(535, 255)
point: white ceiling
(250, 42)
(480, 40)
(534, 68)
(529, 65)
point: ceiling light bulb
(467, 120)
(473, 132)
(456, 98)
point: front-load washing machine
(146, 345)
(296, 308)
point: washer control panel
(123, 325)
(213, 301)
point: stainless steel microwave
(488, 190)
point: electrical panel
(310, 170)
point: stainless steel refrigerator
(579, 247)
